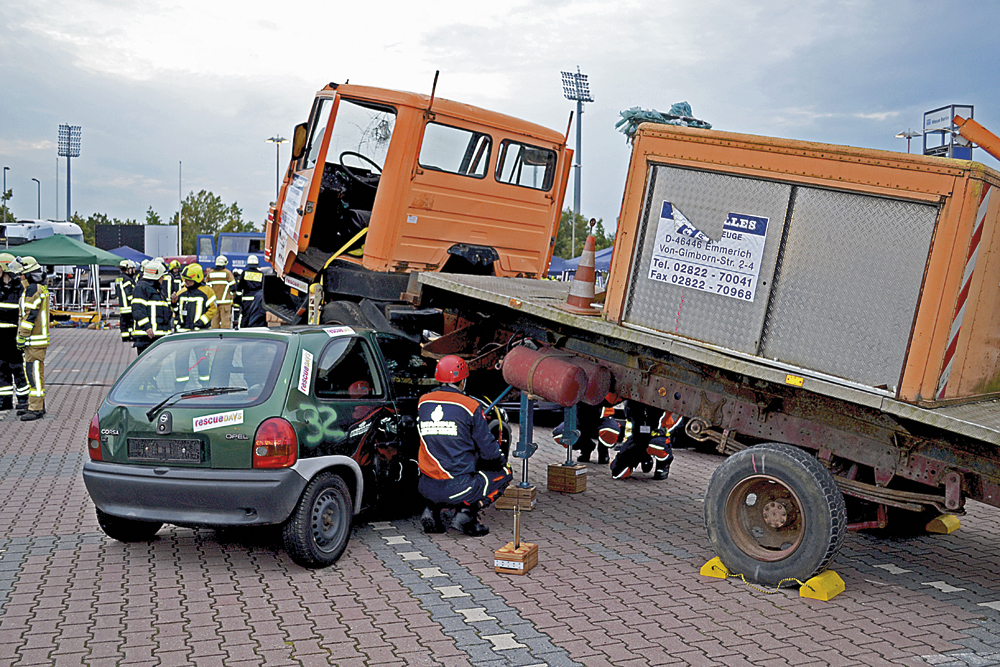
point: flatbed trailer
(845, 385)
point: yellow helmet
(174, 264)
(5, 259)
(193, 272)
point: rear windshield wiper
(192, 393)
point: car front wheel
(316, 533)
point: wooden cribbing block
(567, 479)
(509, 560)
(513, 494)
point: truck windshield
(359, 143)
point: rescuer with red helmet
(460, 461)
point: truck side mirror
(299, 141)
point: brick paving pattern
(617, 581)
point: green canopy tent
(63, 251)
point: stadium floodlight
(69, 147)
(577, 89)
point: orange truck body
(423, 212)
(878, 269)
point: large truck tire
(346, 313)
(774, 514)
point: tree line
(201, 213)
(564, 239)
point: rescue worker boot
(431, 521)
(32, 415)
(467, 521)
(663, 467)
(6, 403)
(22, 407)
(602, 456)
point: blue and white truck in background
(236, 246)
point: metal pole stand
(522, 497)
(568, 477)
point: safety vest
(123, 288)
(221, 281)
(150, 309)
(197, 307)
(34, 306)
(10, 309)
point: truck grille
(165, 450)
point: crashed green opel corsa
(301, 427)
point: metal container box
(871, 268)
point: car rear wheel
(317, 532)
(127, 530)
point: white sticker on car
(338, 331)
(218, 420)
(305, 371)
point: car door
(411, 375)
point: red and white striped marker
(963, 296)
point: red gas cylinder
(598, 380)
(545, 374)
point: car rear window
(188, 363)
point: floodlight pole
(4, 193)
(69, 147)
(38, 183)
(277, 141)
(576, 87)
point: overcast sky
(155, 83)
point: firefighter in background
(32, 332)
(174, 283)
(13, 384)
(196, 305)
(647, 442)
(248, 297)
(460, 461)
(221, 281)
(150, 309)
(598, 430)
(124, 286)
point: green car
(301, 427)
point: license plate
(164, 449)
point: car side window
(346, 371)
(410, 373)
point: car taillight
(94, 440)
(275, 444)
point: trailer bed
(541, 299)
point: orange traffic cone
(581, 292)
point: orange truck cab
(383, 183)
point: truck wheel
(316, 533)
(773, 512)
(127, 530)
(347, 313)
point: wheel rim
(765, 518)
(327, 521)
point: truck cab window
(527, 166)
(455, 150)
(317, 128)
(358, 147)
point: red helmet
(451, 369)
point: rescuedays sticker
(305, 371)
(686, 257)
(217, 420)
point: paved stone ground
(617, 581)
